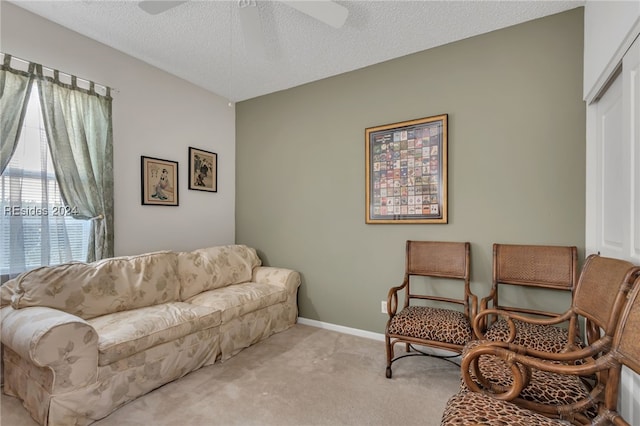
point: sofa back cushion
(210, 268)
(6, 293)
(110, 285)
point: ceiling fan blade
(329, 12)
(251, 28)
(155, 7)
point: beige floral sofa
(80, 340)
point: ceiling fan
(326, 11)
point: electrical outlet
(383, 307)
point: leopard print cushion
(544, 388)
(534, 336)
(436, 324)
(472, 408)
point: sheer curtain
(15, 87)
(36, 227)
(56, 183)
(78, 126)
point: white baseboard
(341, 329)
(368, 335)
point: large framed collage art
(406, 171)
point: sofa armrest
(287, 278)
(53, 339)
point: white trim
(341, 329)
(372, 335)
(615, 61)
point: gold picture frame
(406, 171)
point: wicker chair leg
(389, 346)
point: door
(613, 185)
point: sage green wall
(516, 163)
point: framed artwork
(406, 171)
(203, 170)
(159, 181)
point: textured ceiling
(202, 41)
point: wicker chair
(623, 348)
(426, 318)
(599, 298)
(553, 268)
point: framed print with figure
(406, 171)
(159, 181)
(203, 170)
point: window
(36, 228)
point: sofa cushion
(93, 289)
(7, 291)
(240, 299)
(215, 267)
(123, 334)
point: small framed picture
(159, 182)
(203, 170)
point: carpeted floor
(303, 376)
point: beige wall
(154, 114)
(516, 163)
